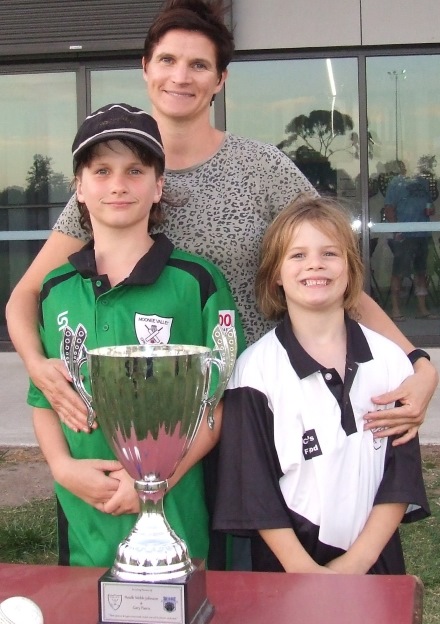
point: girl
(298, 472)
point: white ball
(20, 610)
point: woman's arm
(50, 376)
(414, 393)
(377, 532)
(373, 317)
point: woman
(224, 192)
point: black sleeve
(248, 496)
(402, 480)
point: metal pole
(397, 132)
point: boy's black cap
(118, 121)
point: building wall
(52, 27)
(313, 24)
(299, 24)
(59, 31)
(400, 21)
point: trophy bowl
(149, 401)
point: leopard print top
(220, 209)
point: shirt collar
(146, 271)
(304, 365)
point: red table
(70, 596)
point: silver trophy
(149, 401)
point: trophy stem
(152, 551)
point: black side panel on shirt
(63, 537)
(47, 288)
(207, 284)
(245, 505)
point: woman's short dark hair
(146, 157)
(198, 16)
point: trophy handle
(225, 340)
(74, 355)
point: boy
(330, 495)
(124, 287)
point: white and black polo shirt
(294, 453)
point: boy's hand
(125, 500)
(89, 479)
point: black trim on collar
(84, 260)
(304, 365)
(146, 271)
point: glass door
(404, 209)
(38, 119)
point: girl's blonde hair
(333, 220)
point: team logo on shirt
(152, 329)
(73, 349)
(226, 318)
(311, 447)
(377, 442)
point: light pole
(396, 74)
(331, 80)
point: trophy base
(179, 601)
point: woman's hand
(54, 381)
(414, 394)
(50, 376)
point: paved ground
(15, 414)
(24, 476)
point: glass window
(119, 85)
(404, 131)
(122, 85)
(37, 123)
(309, 109)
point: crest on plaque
(169, 603)
(115, 601)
